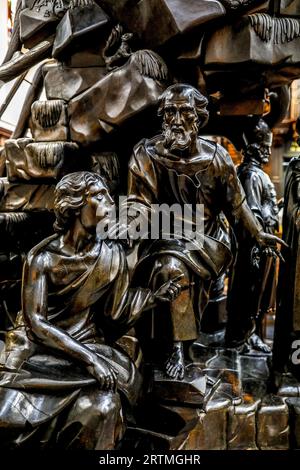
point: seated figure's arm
(35, 311)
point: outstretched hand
(268, 244)
(170, 290)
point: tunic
(37, 382)
(157, 177)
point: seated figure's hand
(103, 373)
(170, 290)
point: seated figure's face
(180, 122)
(97, 208)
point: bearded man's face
(180, 127)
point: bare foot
(257, 343)
(174, 366)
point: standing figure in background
(252, 295)
(287, 325)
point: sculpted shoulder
(149, 145)
(39, 257)
(208, 146)
(217, 155)
(142, 152)
(249, 171)
(224, 155)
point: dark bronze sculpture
(178, 167)
(103, 66)
(287, 327)
(75, 289)
(258, 287)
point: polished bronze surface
(287, 326)
(118, 334)
(178, 167)
(66, 278)
(259, 287)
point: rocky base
(238, 412)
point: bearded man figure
(178, 167)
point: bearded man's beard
(179, 139)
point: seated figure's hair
(69, 196)
(187, 91)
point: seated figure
(61, 383)
(178, 167)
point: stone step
(272, 422)
(238, 413)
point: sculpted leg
(182, 322)
(175, 363)
(95, 422)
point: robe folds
(206, 183)
(156, 176)
(36, 382)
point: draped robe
(37, 382)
